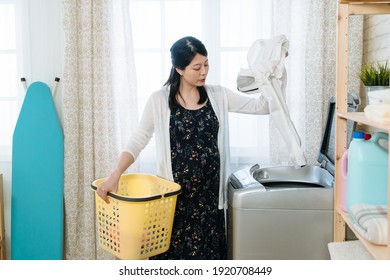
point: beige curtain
(310, 26)
(98, 96)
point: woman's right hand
(109, 185)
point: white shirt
(156, 117)
(267, 73)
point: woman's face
(196, 72)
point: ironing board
(37, 179)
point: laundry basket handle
(127, 198)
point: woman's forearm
(111, 183)
(124, 162)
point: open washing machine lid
(326, 156)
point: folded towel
(348, 250)
(378, 112)
(370, 221)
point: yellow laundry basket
(137, 221)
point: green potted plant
(375, 76)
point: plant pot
(372, 88)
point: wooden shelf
(360, 2)
(378, 252)
(342, 219)
(361, 118)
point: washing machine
(283, 212)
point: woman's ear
(179, 71)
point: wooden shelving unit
(346, 9)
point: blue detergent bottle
(367, 170)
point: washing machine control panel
(243, 179)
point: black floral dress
(198, 230)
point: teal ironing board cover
(37, 201)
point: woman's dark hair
(182, 53)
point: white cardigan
(156, 117)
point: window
(9, 99)
(227, 28)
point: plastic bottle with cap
(344, 175)
(367, 170)
(343, 181)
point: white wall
(376, 44)
(42, 41)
